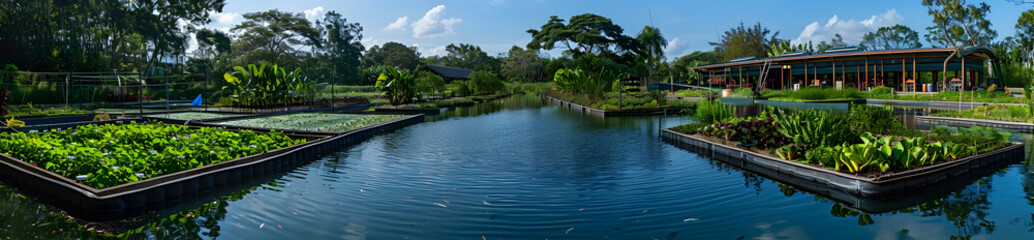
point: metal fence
(112, 92)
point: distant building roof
(450, 72)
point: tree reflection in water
(966, 209)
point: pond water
(517, 169)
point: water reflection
(533, 172)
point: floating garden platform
(109, 191)
(966, 122)
(870, 194)
(310, 123)
(606, 113)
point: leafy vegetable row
(107, 155)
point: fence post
(67, 76)
(140, 92)
(204, 91)
(168, 98)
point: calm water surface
(516, 169)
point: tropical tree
(785, 46)
(262, 86)
(212, 42)
(400, 86)
(342, 48)
(392, 54)
(584, 34)
(889, 38)
(836, 42)
(467, 56)
(960, 23)
(682, 66)
(1025, 36)
(525, 65)
(743, 41)
(653, 48)
(272, 35)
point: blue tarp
(197, 101)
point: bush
(484, 82)
(690, 128)
(429, 83)
(879, 120)
(813, 94)
(578, 81)
(881, 92)
(713, 111)
(460, 88)
(811, 129)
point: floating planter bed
(870, 194)
(184, 117)
(56, 119)
(966, 122)
(313, 123)
(605, 113)
(136, 168)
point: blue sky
(496, 25)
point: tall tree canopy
(894, 37)
(959, 23)
(743, 41)
(680, 67)
(1025, 35)
(392, 54)
(273, 34)
(467, 56)
(211, 42)
(525, 65)
(341, 46)
(653, 44)
(98, 35)
(584, 34)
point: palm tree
(653, 43)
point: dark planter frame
(868, 194)
(131, 199)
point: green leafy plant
(714, 111)
(107, 155)
(262, 86)
(578, 81)
(400, 86)
(810, 128)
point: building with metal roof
(905, 69)
(449, 73)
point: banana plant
(400, 86)
(261, 85)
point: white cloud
(314, 14)
(436, 51)
(399, 23)
(674, 47)
(496, 2)
(369, 42)
(225, 18)
(852, 30)
(433, 24)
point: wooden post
(963, 72)
(866, 71)
(834, 74)
(806, 79)
(914, 77)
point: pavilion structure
(907, 70)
